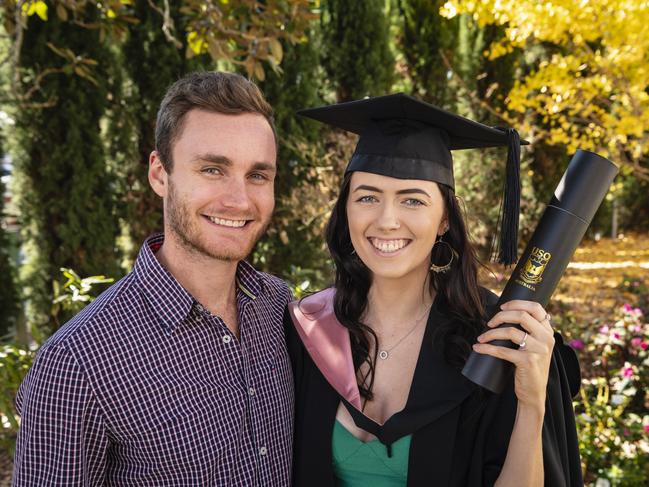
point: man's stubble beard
(188, 236)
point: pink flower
(637, 311)
(603, 329)
(646, 428)
(616, 336)
(636, 341)
(576, 344)
(627, 307)
(627, 372)
(644, 345)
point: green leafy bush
(612, 416)
(14, 364)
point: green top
(359, 464)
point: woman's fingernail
(480, 338)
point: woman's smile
(389, 247)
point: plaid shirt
(145, 387)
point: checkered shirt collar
(170, 301)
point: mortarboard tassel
(508, 246)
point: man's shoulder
(99, 314)
(277, 288)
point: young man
(177, 375)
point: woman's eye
(366, 199)
(413, 202)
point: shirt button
(263, 451)
(199, 308)
(226, 338)
(251, 391)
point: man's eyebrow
(264, 166)
(215, 158)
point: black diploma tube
(562, 226)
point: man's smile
(224, 222)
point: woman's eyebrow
(413, 190)
(365, 187)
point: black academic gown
(460, 432)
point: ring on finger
(523, 342)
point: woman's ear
(443, 225)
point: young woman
(380, 398)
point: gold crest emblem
(532, 271)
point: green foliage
(358, 58)
(294, 241)
(8, 292)
(73, 295)
(14, 364)
(132, 121)
(64, 191)
(427, 42)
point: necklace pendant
(383, 354)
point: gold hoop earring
(437, 269)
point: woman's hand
(532, 360)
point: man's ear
(158, 177)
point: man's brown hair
(212, 91)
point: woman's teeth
(227, 223)
(388, 245)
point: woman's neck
(396, 302)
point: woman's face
(393, 223)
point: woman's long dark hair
(458, 288)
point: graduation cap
(405, 138)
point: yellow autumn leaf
(196, 42)
(35, 7)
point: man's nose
(236, 196)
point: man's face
(219, 196)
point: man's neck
(210, 281)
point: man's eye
(258, 177)
(211, 170)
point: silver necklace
(384, 353)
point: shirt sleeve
(62, 439)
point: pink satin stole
(327, 342)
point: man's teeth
(227, 223)
(389, 245)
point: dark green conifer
(151, 63)
(65, 196)
(357, 54)
(294, 241)
(9, 304)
